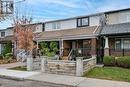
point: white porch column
(37, 44)
(61, 44)
(106, 49)
(106, 42)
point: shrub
(7, 48)
(109, 61)
(9, 55)
(1, 57)
(123, 62)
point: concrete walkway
(77, 81)
(67, 81)
(16, 74)
(11, 65)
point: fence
(76, 68)
(33, 64)
(119, 52)
(63, 67)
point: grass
(109, 73)
(20, 68)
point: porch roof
(123, 28)
(81, 32)
(7, 38)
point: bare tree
(23, 34)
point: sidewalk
(14, 74)
(68, 81)
(11, 65)
(77, 81)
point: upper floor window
(2, 34)
(81, 22)
(56, 25)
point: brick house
(99, 34)
(115, 34)
(7, 35)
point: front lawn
(20, 68)
(109, 73)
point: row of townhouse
(99, 34)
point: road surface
(16, 83)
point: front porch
(80, 47)
(70, 49)
(117, 46)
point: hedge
(109, 61)
(123, 62)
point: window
(126, 43)
(122, 43)
(118, 44)
(2, 34)
(81, 22)
(56, 25)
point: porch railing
(119, 52)
(79, 52)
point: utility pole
(6, 8)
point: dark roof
(68, 33)
(7, 38)
(94, 14)
(122, 28)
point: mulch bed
(8, 61)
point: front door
(73, 44)
(87, 47)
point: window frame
(3, 35)
(80, 21)
(122, 40)
(56, 25)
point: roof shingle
(116, 29)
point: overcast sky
(43, 10)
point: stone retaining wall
(88, 64)
(36, 64)
(63, 67)
(60, 67)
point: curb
(40, 82)
(11, 78)
(51, 83)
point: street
(15, 83)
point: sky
(45, 10)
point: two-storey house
(117, 33)
(7, 35)
(100, 34)
(77, 33)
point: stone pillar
(0, 49)
(79, 66)
(61, 46)
(93, 46)
(43, 62)
(106, 49)
(29, 63)
(37, 44)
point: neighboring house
(7, 35)
(117, 33)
